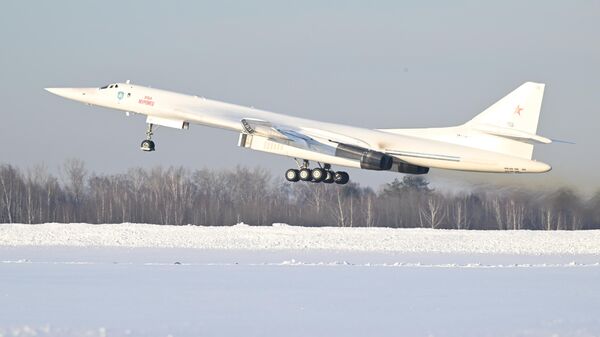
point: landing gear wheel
(318, 175)
(147, 145)
(305, 174)
(341, 178)
(292, 175)
(329, 177)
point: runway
(121, 291)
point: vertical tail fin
(514, 118)
(519, 110)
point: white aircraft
(500, 139)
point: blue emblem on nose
(120, 95)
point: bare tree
(460, 212)
(369, 200)
(74, 173)
(433, 212)
(9, 182)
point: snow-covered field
(281, 236)
(146, 280)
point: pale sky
(388, 64)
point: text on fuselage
(147, 100)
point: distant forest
(176, 196)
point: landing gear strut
(148, 145)
(317, 175)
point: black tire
(305, 175)
(329, 177)
(318, 175)
(147, 145)
(292, 175)
(341, 178)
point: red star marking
(518, 110)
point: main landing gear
(317, 175)
(148, 145)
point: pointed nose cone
(62, 92)
(85, 95)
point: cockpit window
(109, 86)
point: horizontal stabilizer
(563, 141)
(512, 134)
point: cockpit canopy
(109, 86)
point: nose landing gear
(148, 145)
(317, 175)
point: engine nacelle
(369, 159)
(411, 169)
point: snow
(287, 237)
(146, 280)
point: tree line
(177, 196)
